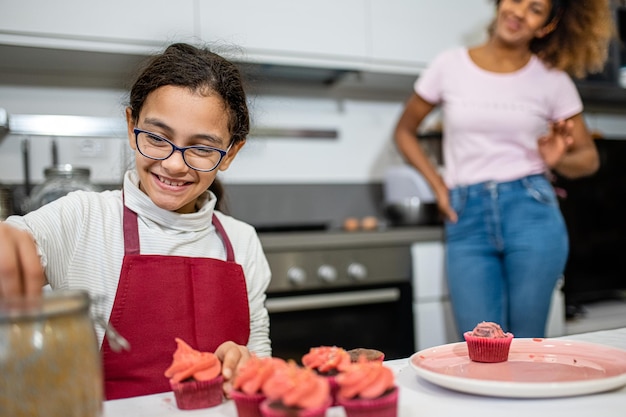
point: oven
(339, 289)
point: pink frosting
(190, 363)
(488, 329)
(325, 359)
(365, 379)
(255, 372)
(298, 387)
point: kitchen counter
(420, 398)
(339, 238)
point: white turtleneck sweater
(80, 240)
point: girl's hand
(554, 145)
(20, 267)
(232, 357)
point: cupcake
(327, 361)
(488, 343)
(369, 354)
(294, 391)
(195, 378)
(247, 392)
(367, 389)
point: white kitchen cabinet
(110, 26)
(407, 35)
(433, 318)
(381, 39)
(316, 33)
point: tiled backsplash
(287, 205)
(327, 205)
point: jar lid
(66, 170)
(50, 304)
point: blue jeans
(505, 254)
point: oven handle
(320, 301)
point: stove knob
(296, 275)
(357, 271)
(327, 273)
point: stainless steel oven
(337, 288)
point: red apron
(203, 301)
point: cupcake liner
(334, 388)
(276, 409)
(247, 404)
(488, 350)
(384, 406)
(193, 395)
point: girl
(165, 261)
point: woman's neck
(495, 57)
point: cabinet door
(150, 22)
(287, 30)
(412, 33)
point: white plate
(536, 368)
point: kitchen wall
(290, 179)
(106, 157)
(360, 153)
(273, 181)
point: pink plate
(536, 368)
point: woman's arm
(569, 149)
(414, 113)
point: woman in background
(511, 114)
(166, 262)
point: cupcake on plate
(195, 378)
(247, 392)
(369, 354)
(295, 391)
(488, 343)
(327, 361)
(367, 389)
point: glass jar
(6, 203)
(49, 357)
(60, 180)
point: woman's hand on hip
(232, 357)
(443, 202)
(20, 267)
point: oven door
(375, 317)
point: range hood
(25, 65)
(289, 74)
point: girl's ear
(232, 152)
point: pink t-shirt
(492, 121)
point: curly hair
(580, 41)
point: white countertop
(421, 398)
